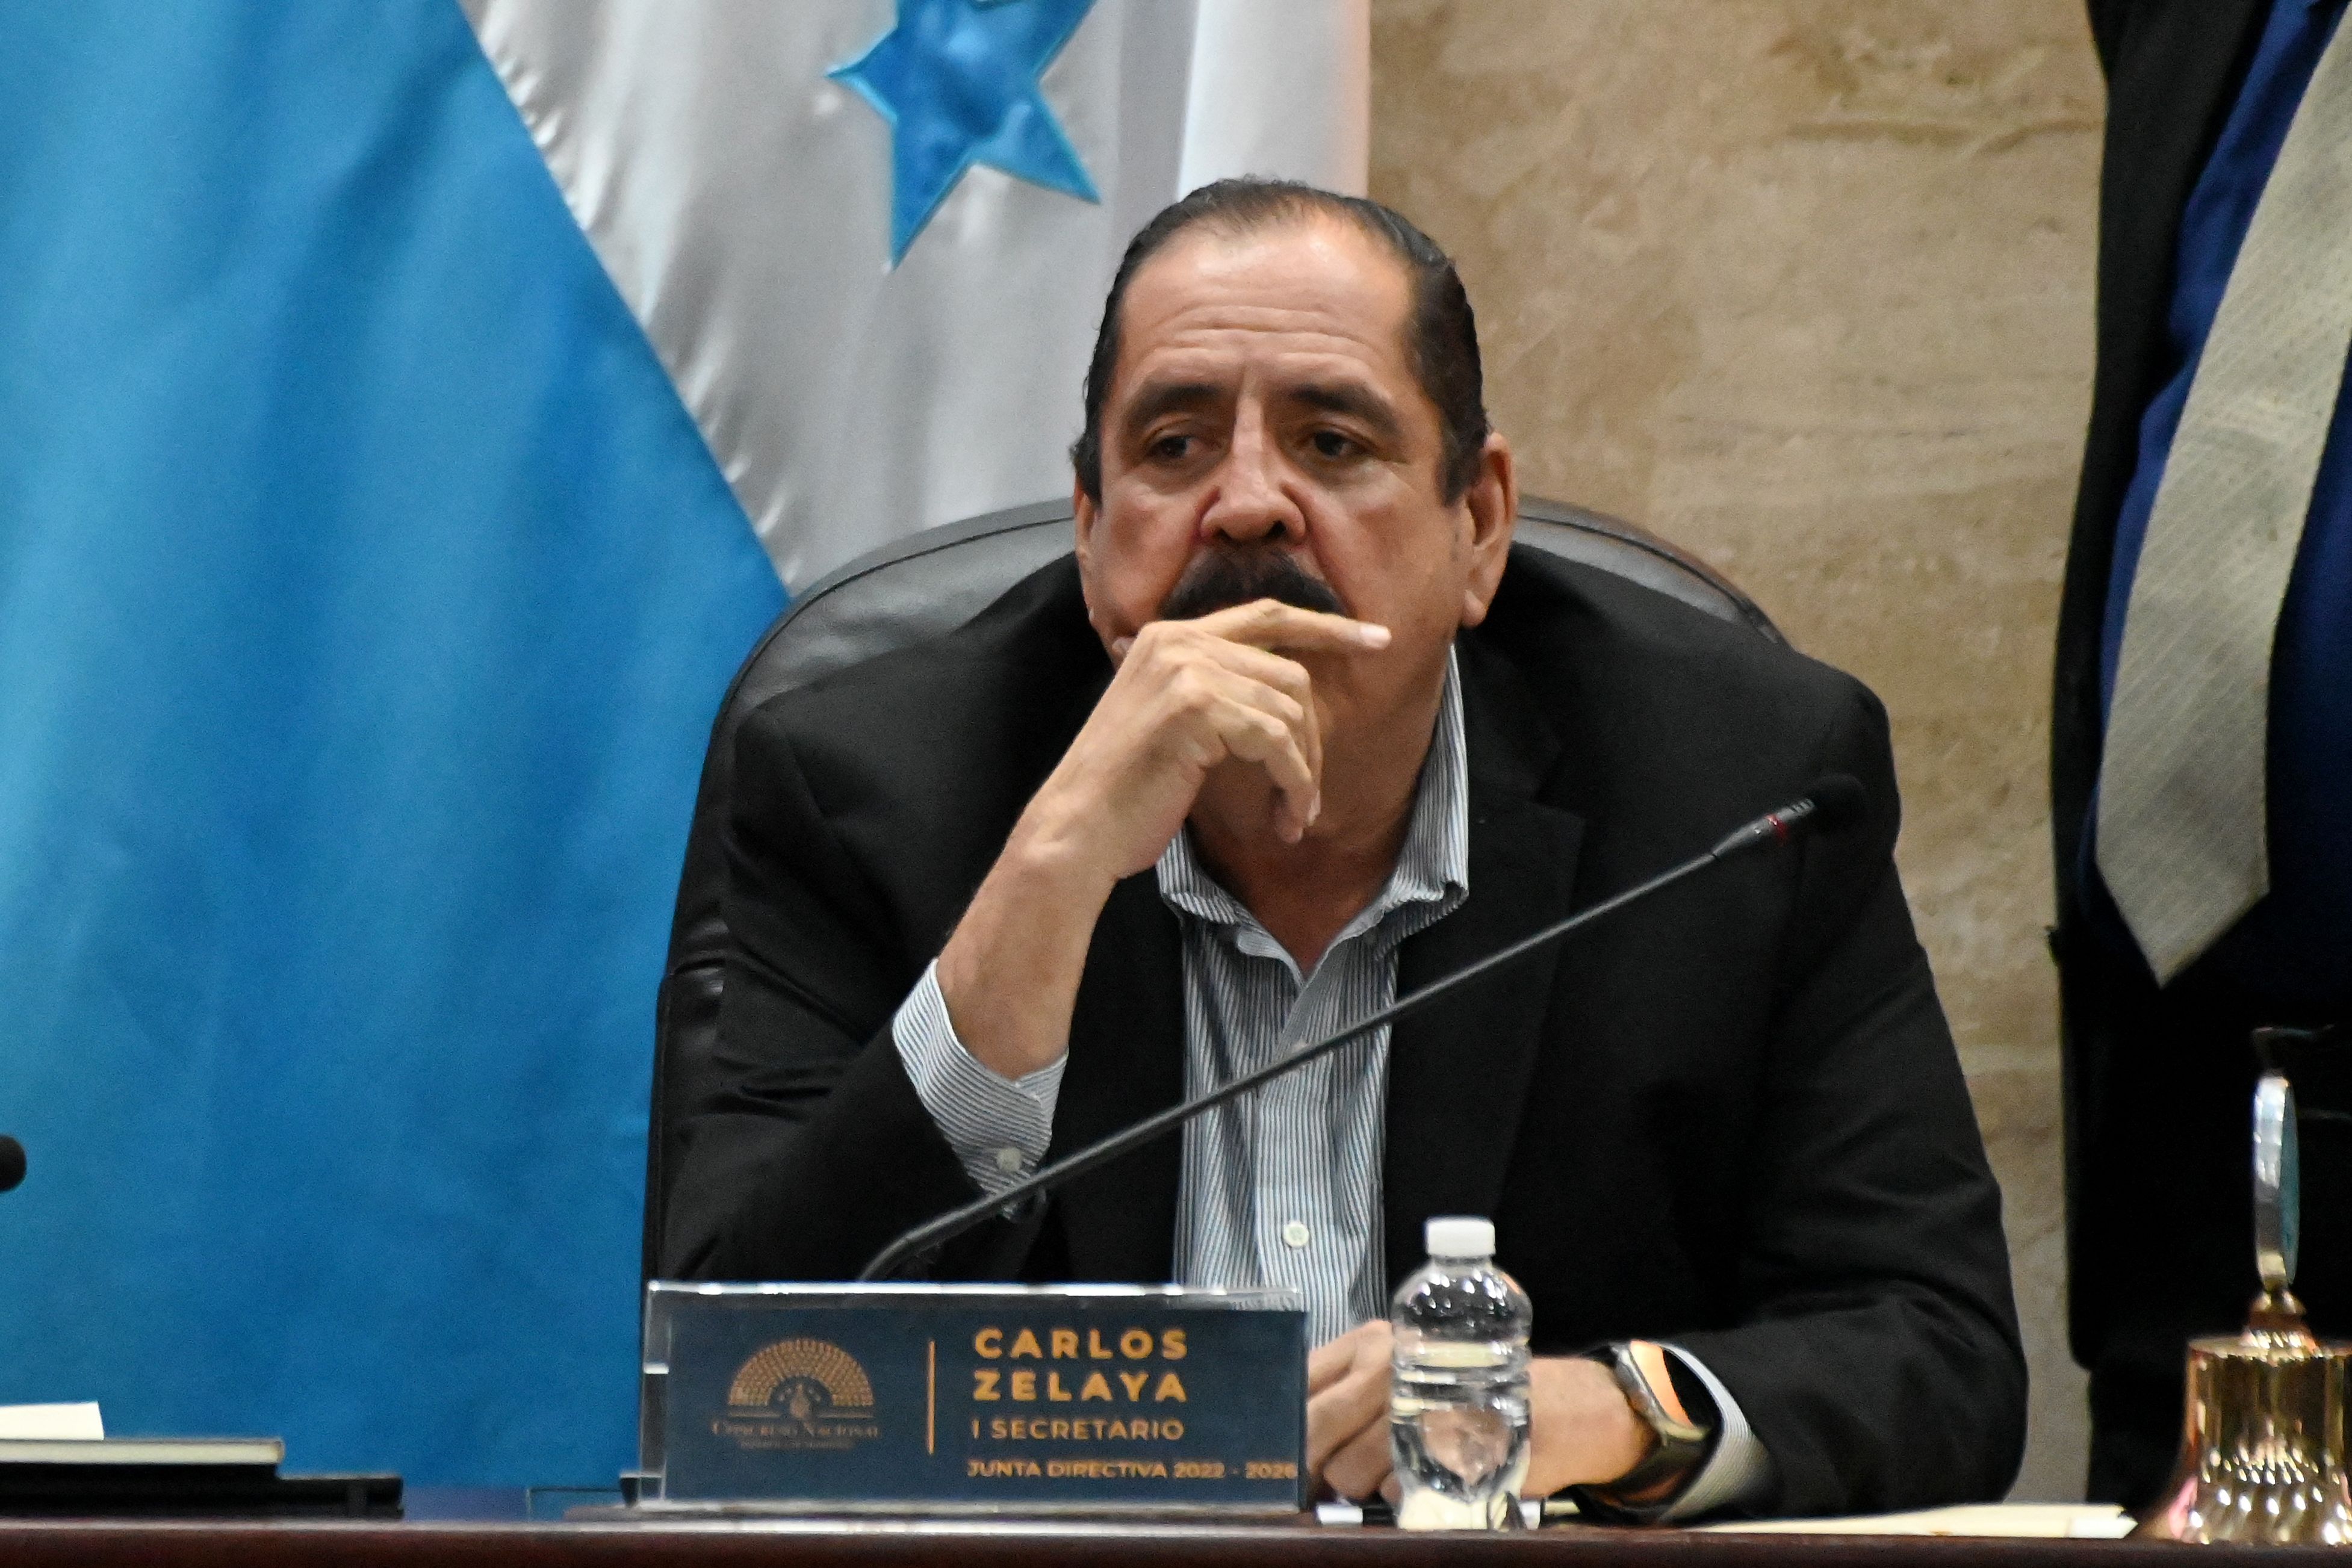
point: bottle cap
(1457, 1236)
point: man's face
(1265, 435)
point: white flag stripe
(1280, 89)
(741, 201)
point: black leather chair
(924, 586)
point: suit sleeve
(807, 1148)
(1877, 1355)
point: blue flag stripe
(365, 593)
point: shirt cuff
(1739, 1473)
(998, 1126)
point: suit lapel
(1126, 1061)
(2176, 73)
(1458, 1072)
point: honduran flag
(409, 415)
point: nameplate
(1038, 1400)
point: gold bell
(2262, 1450)
(2261, 1446)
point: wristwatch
(1679, 1443)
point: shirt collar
(1432, 869)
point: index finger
(1328, 1363)
(1355, 1405)
(1271, 625)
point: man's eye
(1331, 444)
(1171, 448)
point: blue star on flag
(957, 79)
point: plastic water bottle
(1458, 1398)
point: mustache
(1222, 578)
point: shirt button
(1296, 1234)
(1008, 1160)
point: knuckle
(1161, 641)
(1191, 686)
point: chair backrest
(925, 586)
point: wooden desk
(910, 1543)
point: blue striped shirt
(1282, 1187)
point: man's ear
(1084, 512)
(1083, 509)
(1493, 502)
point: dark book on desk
(180, 1477)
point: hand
(1190, 695)
(1581, 1429)
(1348, 1411)
(1581, 1432)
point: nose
(1250, 502)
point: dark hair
(1440, 330)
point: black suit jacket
(1732, 1117)
(2174, 68)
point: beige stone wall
(1806, 287)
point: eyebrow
(1168, 397)
(1332, 397)
(1353, 401)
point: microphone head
(1838, 801)
(11, 1163)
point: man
(1281, 740)
(2200, 805)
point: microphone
(12, 1162)
(1833, 801)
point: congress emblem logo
(799, 1393)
